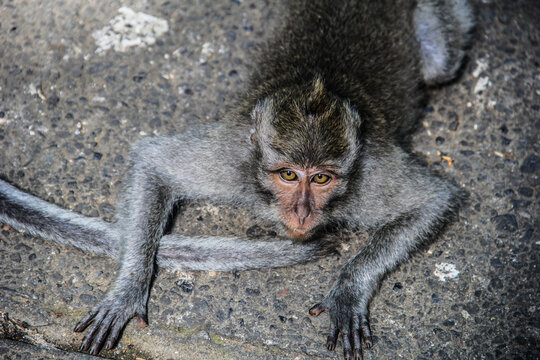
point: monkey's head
(306, 143)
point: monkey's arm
(143, 209)
(161, 171)
(404, 206)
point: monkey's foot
(107, 320)
(351, 321)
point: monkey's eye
(320, 178)
(288, 175)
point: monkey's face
(302, 194)
(305, 144)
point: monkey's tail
(178, 252)
(28, 213)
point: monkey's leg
(142, 214)
(430, 202)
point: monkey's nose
(302, 212)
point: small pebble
(505, 222)
(526, 191)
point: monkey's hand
(347, 305)
(107, 319)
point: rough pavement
(78, 86)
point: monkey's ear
(352, 115)
(263, 115)
(252, 137)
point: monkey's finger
(331, 340)
(87, 340)
(142, 320)
(347, 350)
(317, 309)
(99, 338)
(366, 331)
(85, 321)
(357, 343)
(114, 334)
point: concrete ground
(80, 82)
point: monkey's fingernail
(369, 343)
(317, 309)
(141, 322)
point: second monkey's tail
(28, 213)
(178, 252)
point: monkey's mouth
(297, 232)
(297, 229)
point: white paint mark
(446, 271)
(481, 84)
(129, 29)
(481, 65)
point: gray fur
(346, 74)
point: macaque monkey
(321, 121)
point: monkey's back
(364, 51)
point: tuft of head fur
(307, 126)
